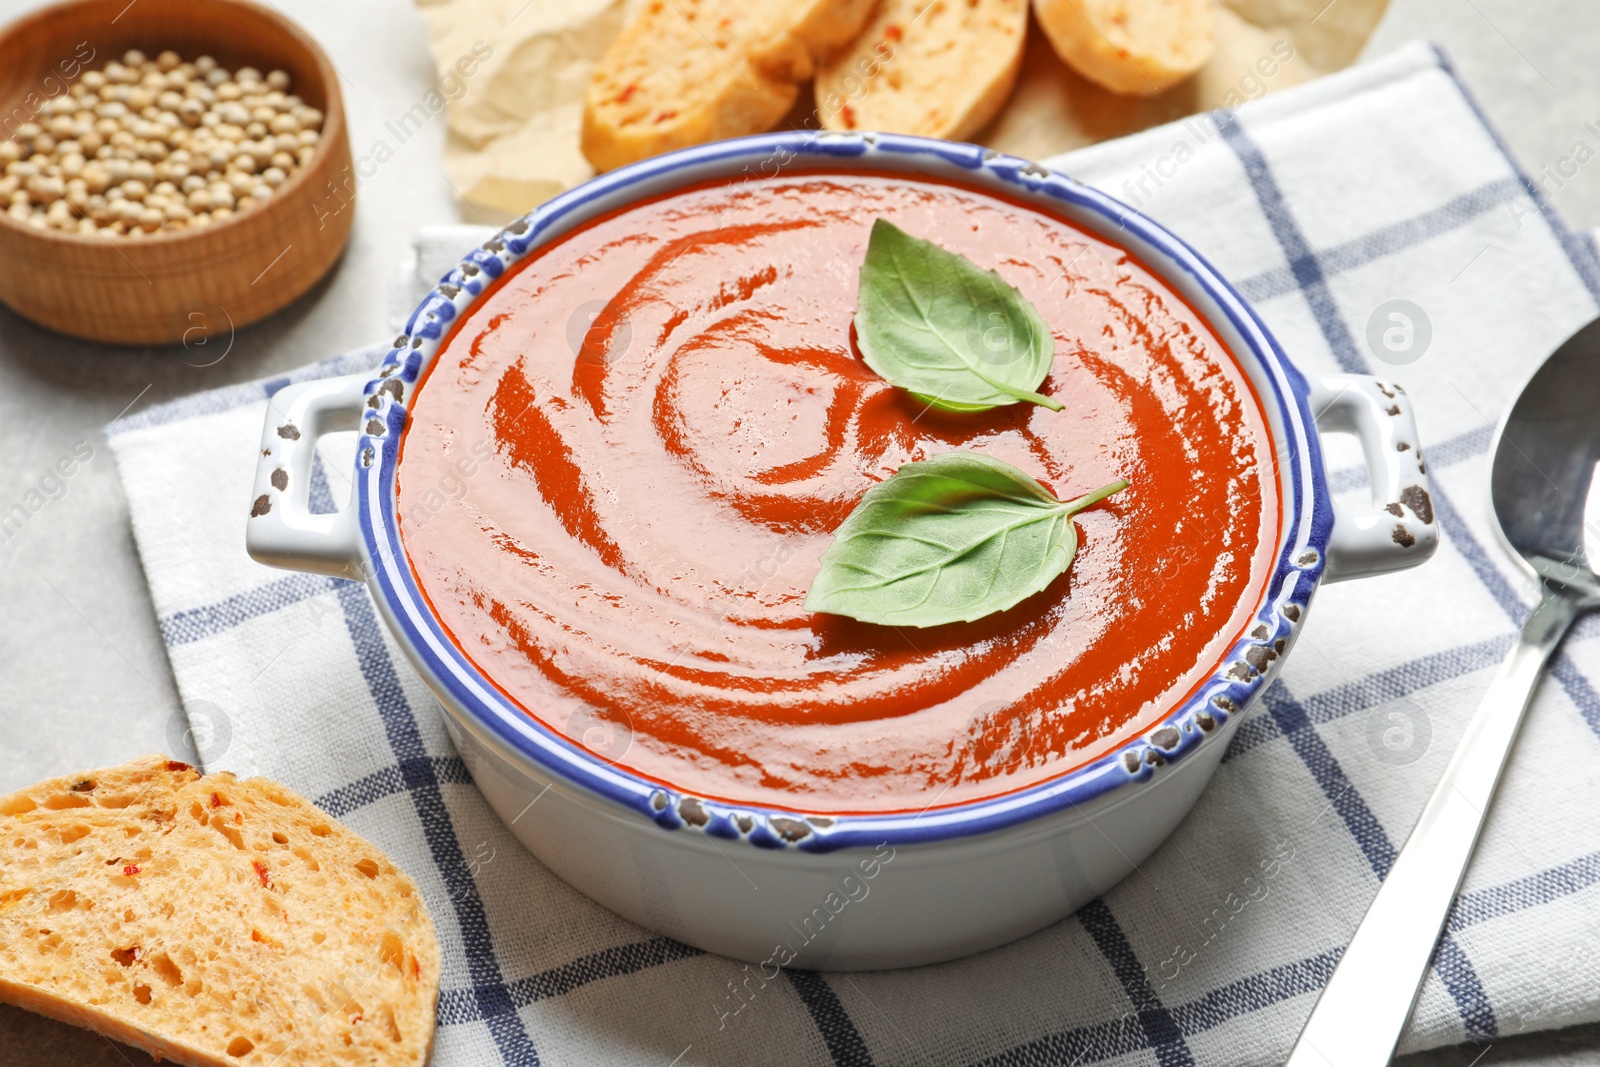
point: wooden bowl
(183, 284)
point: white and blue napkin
(1326, 204)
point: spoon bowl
(1543, 469)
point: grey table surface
(84, 681)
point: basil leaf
(935, 323)
(948, 539)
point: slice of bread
(211, 922)
(939, 68)
(1132, 47)
(684, 72)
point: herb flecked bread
(938, 68)
(684, 72)
(211, 921)
(1132, 47)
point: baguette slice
(684, 72)
(211, 922)
(932, 67)
(1132, 47)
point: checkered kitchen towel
(1326, 203)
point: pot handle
(282, 531)
(1400, 529)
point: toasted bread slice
(1132, 47)
(688, 71)
(930, 67)
(211, 922)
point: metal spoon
(1544, 463)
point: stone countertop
(84, 681)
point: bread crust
(1132, 47)
(64, 1011)
(211, 921)
(927, 68)
(683, 72)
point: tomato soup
(622, 467)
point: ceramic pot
(784, 887)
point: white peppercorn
(145, 144)
(42, 190)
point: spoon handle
(1362, 1011)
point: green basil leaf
(935, 323)
(948, 539)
